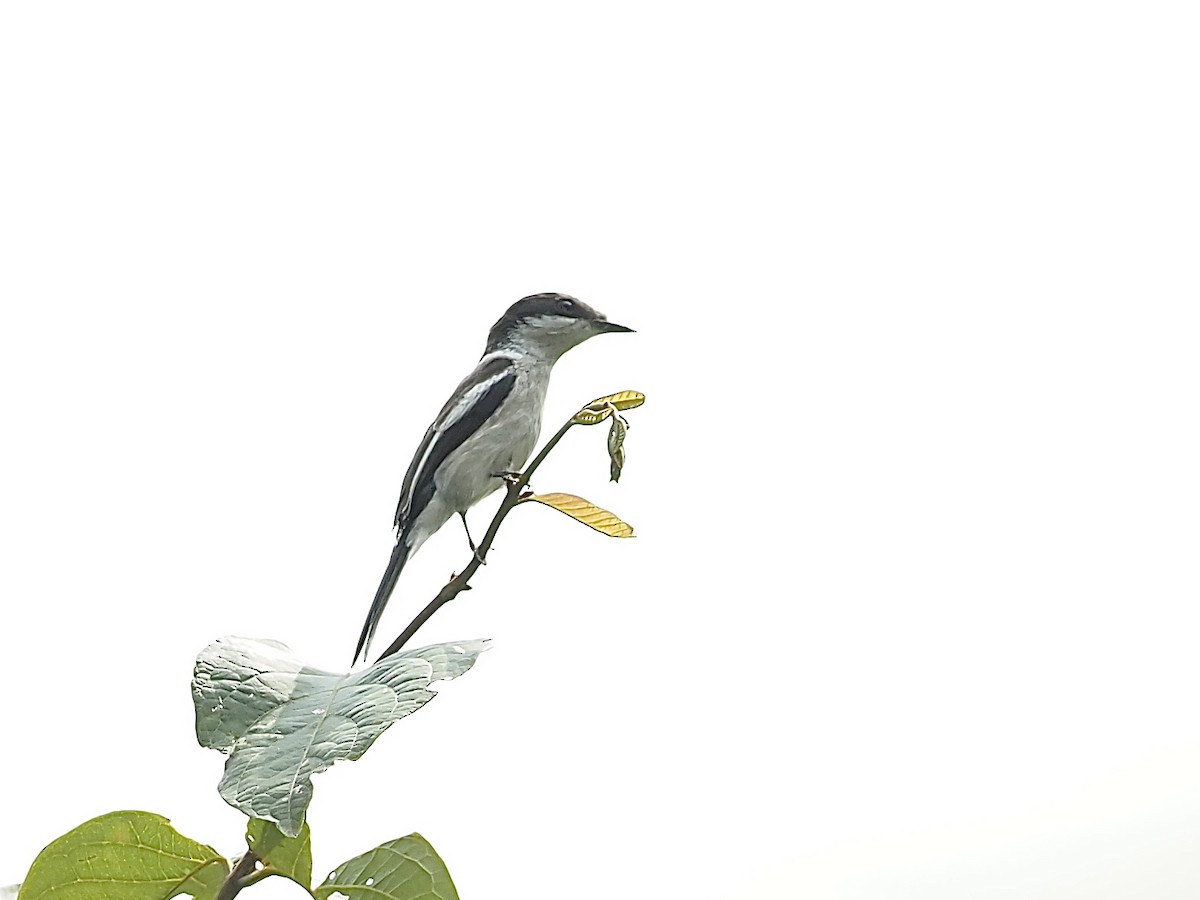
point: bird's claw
(509, 477)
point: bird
(487, 430)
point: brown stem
(237, 878)
(459, 583)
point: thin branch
(256, 877)
(459, 583)
(237, 879)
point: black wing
(474, 401)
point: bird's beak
(612, 327)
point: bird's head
(549, 325)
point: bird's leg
(509, 477)
(471, 541)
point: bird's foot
(510, 478)
(471, 540)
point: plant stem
(459, 583)
(256, 877)
(237, 878)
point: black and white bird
(487, 429)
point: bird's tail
(390, 575)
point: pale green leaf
(404, 869)
(124, 856)
(282, 721)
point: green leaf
(282, 721)
(125, 856)
(404, 869)
(280, 854)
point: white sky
(912, 608)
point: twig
(238, 878)
(255, 877)
(459, 583)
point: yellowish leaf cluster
(603, 407)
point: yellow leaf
(589, 416)
(600, 409)
(622, 400)
(582, 511)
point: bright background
(912, 607)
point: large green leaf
(290, 857)
(125, 856)
(404, 869)
(282, 721)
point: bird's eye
(566, 304)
